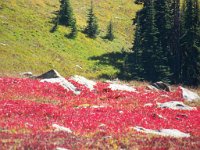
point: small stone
(26, 74)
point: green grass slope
(27, 45)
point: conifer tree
(110, 35)
(65, 14)
(135, 59)
(164, 38)
(190, 44)
(163, 20)
(175, 41)
(182, 17)
(150, 58)
(92, 26)
(73, 27)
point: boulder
(52, 76)
(161, 86)
(121, 87)
(189, 95)
(163, 132)
(82, 80)
(176, 105)
(49, 74)
(64, 83)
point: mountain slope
(27, 45)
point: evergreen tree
(190, 44)
(73, 27)
(150, 58)
(62, 2)
(182, 17)
(65, 14)
(110, 35)
(163, 22)
(164, 38)
(175, 58)
(92, 27)
(135, 59)
(136, 67)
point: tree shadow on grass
(114, 59)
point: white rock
(98, 106)
(121, 112)
(61, 148)
(62, 82)
(82, 80)
(148, 105)
(61, 128)
(121, 87)
(175, 105)
(189, 95)
(102, 125)
(163, 132)
(27, 74)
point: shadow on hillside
(54, 22)
(115, 59)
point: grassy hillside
(27, 45)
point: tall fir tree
(190, 44)
(163, 22)
(110, 36)
(92, 26)
(66, 13)
(74, 30)
(134, 59)
(176, 52)
(150, 58)
(182, 17)
(164, 38)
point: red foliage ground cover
(28, 108)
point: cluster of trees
(167, 42)
(66, 18)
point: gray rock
(161, 86)
(50, 74)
